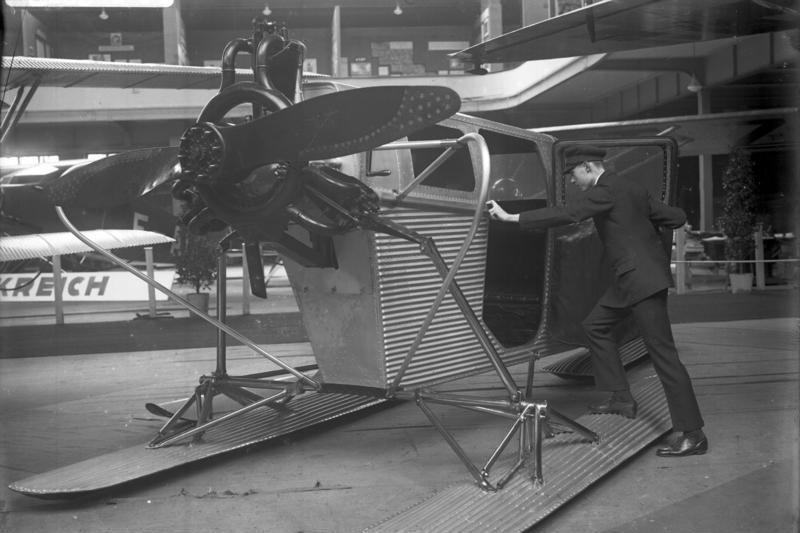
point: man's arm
(665, 215)
(596, 200)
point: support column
(761, 278)
(29, 25)
(706, 186)
(58, 289)
(336, 42)
(491, 25)
(174, 35)
(222, 310)
(491, 19)
(706, 178)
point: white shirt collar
(598, 177)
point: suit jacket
(628, 220)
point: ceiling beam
(735, 59)
(765, 128)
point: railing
(682, 265)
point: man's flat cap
(575, 155)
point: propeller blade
(114, 180)
(327, 126)
(255, 267)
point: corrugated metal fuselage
(362, 317)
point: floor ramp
(261, 425)
(570, 465)
(580, 364)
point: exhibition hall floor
(55, 410)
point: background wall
(373, 44)
(143, 47)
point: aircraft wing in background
(51, 72)
(615, 25)
(19, 247)
(695, 134)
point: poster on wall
(393, 53)
(361, 66)
(310, 64)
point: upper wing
(696, 134)
(614, 25)
(50, 72)
(46, 244)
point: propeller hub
(201, 152)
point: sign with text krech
(81, 286)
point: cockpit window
(455, 173)
(517, 169)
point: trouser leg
(652, 320)
(609, 373)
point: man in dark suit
(628, 220)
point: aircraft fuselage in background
(25, 209)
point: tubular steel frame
(219, 382)
(531, 420)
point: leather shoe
(613, 406)
(685, 445)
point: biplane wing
(615, 25)
(695, 134)
(28, 74)
(19, 247)
(30, 224)
(53, 72)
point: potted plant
(739, 217)
(196, 260)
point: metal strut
(528, 423)
(219, 382)
(531, 420)
(18, 107)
